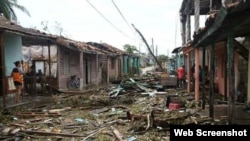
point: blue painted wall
(12, 50)
(125, 67)
(180, 60)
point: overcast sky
(101, 21)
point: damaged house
(220, 51)
(119, 63)
(13, 37)
(58, 59)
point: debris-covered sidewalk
(134, 109)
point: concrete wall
(12, 50)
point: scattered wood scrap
(37, 114)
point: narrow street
(146, 69)
(81, 75)
(135, 110)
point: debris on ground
(134, 109)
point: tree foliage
(162, 58)
(130, 49)
(6, 8)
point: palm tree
(6, 8)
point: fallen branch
(92, 134)
(27, 135)
(121, 106)
(117, 134)
(37, 114)
(18, 125)
(148, 122)
(88, 108)
(71, 127)
(51, 133)
(59, 110)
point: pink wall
(220, 54)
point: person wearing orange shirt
(181, 76)
(17, 75)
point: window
(66, 62)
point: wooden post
(211, 90)
(189, 73)
(50, 81)
(225, 75)
(183, 28)
(108, 68)
(2, 70)
(97, 70)
(197, 82)
(231, 98)
(116, 67)
(81, 70)
(203, 77)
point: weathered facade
(12, 38)
(58, 58)
(216, 49)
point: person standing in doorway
(181, 76)
(17, 74)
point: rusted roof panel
(8, 26)
(105, 48)
(113, 49)
(77, 45)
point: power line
(124, 19)
(122, 15)
(107, 19)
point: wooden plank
(52, 134)
(97, 111)
(34, 114)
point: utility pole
(148, 47)
(156, 50)
(153, 46)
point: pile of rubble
(135, 109)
